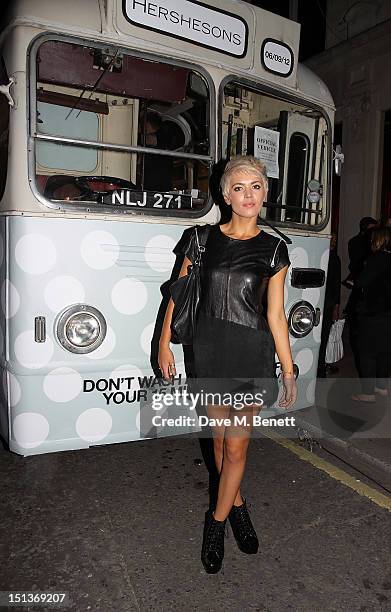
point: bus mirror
(5, 91)
(338, 160)
(5, 83)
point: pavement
(357, 433)
(118, 528)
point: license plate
(149, 199)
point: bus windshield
(119, 132)
(293, 141)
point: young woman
(234, 344)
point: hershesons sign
(277, 57)
(191, 21)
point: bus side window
(4, 125)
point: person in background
(331, 302)
(359, 248)
(374, 318)
(153, 123)
(157, 169)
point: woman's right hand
(166, 361)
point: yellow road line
(334, 472)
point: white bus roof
(230, 34)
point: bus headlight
(301, 319)
(81, 328)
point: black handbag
(186, 294)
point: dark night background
(311, 14)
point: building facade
(355, 66)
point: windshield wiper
(283, 236)
(105, 70)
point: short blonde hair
(243, 163)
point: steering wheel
(94, 186)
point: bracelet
(287, 373)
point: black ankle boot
(213, 544)
(243, 529)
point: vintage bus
(114, 117)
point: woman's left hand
(289, 395)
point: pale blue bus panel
(53, 264)
(307, 252)
(53, 399)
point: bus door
(302, 153)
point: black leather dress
(233, 344)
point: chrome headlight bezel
(297, 333)
(63, 322)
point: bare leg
(218, 441)
(231, 444)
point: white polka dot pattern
(317, 331)
(298, 257)
(9, 294)
(146, 337)
(129, 296)
(30, 429)
(304, 359)
(31, 354)
(180, 367)
(63, 291)
(11, 388)
(158, 253)
(312, 296)
(14, 390)
(107, 346)
(94, 424)
(62, 385)
(99, 250)
(35, 253)
(324, 260)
